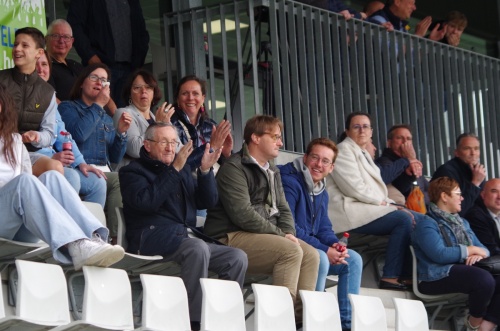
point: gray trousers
(197, 257)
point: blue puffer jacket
(434, 257)
(93, 131)
(159, 203)
(315, 230)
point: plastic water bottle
(66, 145)
(342, 244)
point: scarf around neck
(455, 223)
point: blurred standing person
(141, 92)
(112, 32)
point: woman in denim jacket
(446, 250)
(99, 140)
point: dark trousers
(483, 290)
(197, 257)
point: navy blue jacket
(315, 230)
(392, 169)
(462, 173)
(484, 226)
(159, 203)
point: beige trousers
(291, 265)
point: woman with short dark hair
(447, 249)
(141, 93)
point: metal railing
(311, 68)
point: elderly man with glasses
(160, 199)
(64, 71)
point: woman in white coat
(359, 202)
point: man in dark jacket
(398, 164)
(484, 216)
(252, 212)
(160, 199)
(465, 169)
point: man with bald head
(484, 216)
(466, 169)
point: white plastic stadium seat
(107, 301)
(273, 308)
(165, 304)
(410, 315)
(368, 313)
(451, 300)
(222, 306)
(321, 311)
(41, 299)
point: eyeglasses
(359, 127)
(65, 37)
(138, 88)
(317, 159)
(95, 78)
(457, 193)
(164, 143)
(275, 137)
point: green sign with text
(16, 14)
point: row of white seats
(42, 304)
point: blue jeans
(46, 208)
(72, 177)
(92, 188)
(399, 225)
(349, 281)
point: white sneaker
(94, 253)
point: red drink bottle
(342, 244)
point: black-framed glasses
(164, 143)
(65, 37)
(95, 78)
